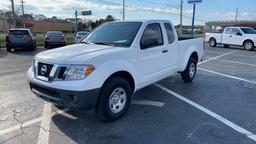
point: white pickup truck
(111, 63)
(241, 36)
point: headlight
(78, 72)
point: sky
(208, 10)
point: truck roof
(144, 20)
(238, 27)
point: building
(218, 26)
(40, 27)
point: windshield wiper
(85, 42)
(104, 43)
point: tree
(109, 18)
(40, 17)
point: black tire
(9, 49)
(226, 46)
(248, 45)
(104, 107)
(212, 42)
(186, 75)
(33, 48)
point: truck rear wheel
(212, 42)
(114, 99)
(190, 72)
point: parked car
(80, 35)
(20, 38)
(54, 39)
(111, 64)
(241, 36)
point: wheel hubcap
(192, 70)
(212, 42)
(117, 100)
(248, 45)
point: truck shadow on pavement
(85, 127)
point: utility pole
(76, 27)
(13, 15)
(181, 13)
(123, 9)
(22, 7)
(236, 14)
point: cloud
(230, 16)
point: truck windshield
(248, 30)
(119, 34)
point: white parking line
(213, 58)
(211, 113)
(236, 62)
(28, 123)
(148, 102)
(44, 133)
(36, 120)
(229, 76)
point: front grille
(44, 69)
(50, 72)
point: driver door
(151, 63)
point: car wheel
(190, 72)
(9, 49)
(212, 42)
(114, 99)
(248, 45)
(33, 48)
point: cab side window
(170, 33)
(228, 31)
(235, 31)
(152, 36)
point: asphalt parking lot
(217, 108)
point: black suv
(20, 38)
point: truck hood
(74, 54)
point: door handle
(164, 51)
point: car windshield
(55, 34)
(248, 30)
(119, 34)
(18, 32)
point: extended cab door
(172, 47)
(226, 36)
(152, 61)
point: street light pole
(123, 9)
(13, 15)
(181, 13)
(193, 20)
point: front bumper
(66, 98)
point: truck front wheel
(190, 72)
(248, 45)
(114, 99)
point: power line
(142, 9)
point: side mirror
(239, 34)
(146, 43)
